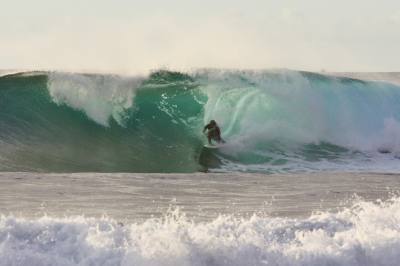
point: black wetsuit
(213, 132)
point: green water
(273, 121)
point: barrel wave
(273, 121)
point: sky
(128, 36)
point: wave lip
(99, 96)
(365, 234)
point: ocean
(105, 169)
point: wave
(365, 234)
(272, 120)
(71, 122)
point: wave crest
(99, 96)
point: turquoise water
(273, 121)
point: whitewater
(360, 236)
(199, 219)
(104, 169)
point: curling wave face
(273, 121)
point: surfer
(214, 132)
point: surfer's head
(212, 122)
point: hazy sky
(130, 36)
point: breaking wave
(273, 121)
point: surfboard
(213, 146)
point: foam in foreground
(365, 234)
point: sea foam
(368, 233)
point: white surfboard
(213, 146)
